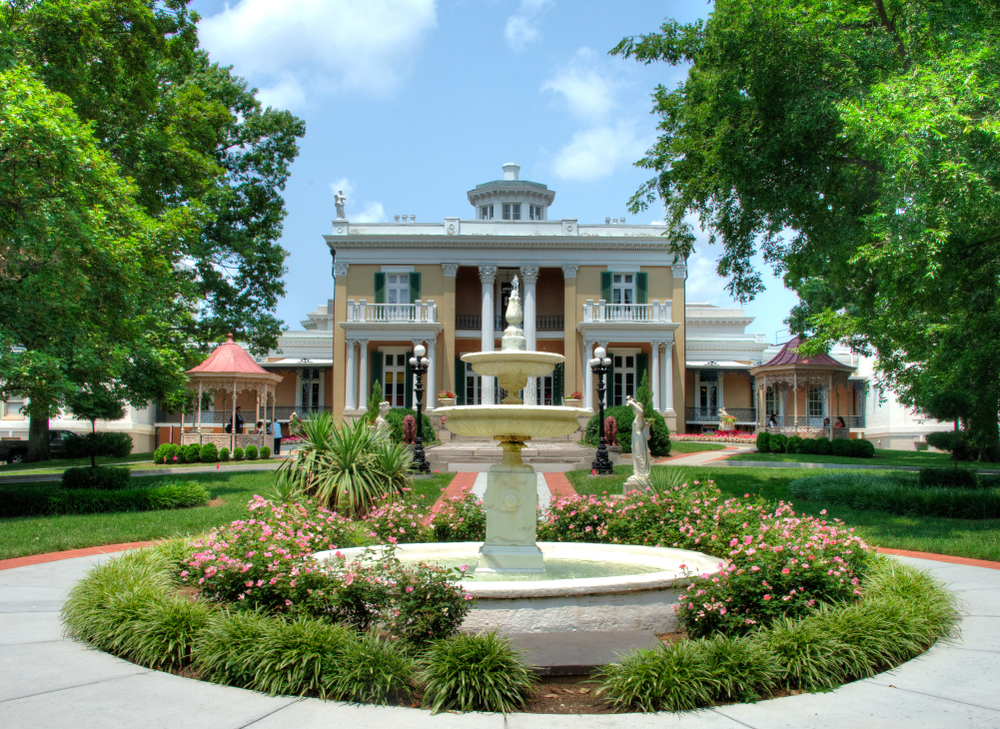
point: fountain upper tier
(512, 368)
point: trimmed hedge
(820, 445)
(237, 454)
(209, 453)
(224, 455)
(51, 500)
(265, 453)
(165, 453)
(659, 433)
(115, 445)
(763, 442)
(777, 443)
(949, 477)
(898, 493)
(110, 478)
(395, 420)
(192, 453)
(251, 453)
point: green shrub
(395, 418)
(251, 453)
(822, 446)
(794, 444)
(111, 444)
(45, 500)
(898, 493)
(865, 448)
(265, 453)
(372, 670)
(299, 657)
(102, 477)
(659, 433)
(763, 442)
(227, 649)
(777, 443)
(237, 454)
(209, 453)
(954, 442)
(841, 447)
(810, 657)
(474, 673)
(163, 634)
(164, 453)
(224, 455)
(192, 453)
(949, 477)
(461, 519)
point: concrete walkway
(48, 682)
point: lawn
(694, 446)
(978, 539)
(60, 464)
(37, 535)
(918, 459)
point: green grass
(917, 459)
(60, 464)
(694, 446)
(24, 536)
(977, 539)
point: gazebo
(786, 374)
(230, 369)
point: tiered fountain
(519, 584)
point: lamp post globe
(418, 366)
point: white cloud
(522, 28)
(368, 212)
(586, 86)
(595, 153)
(296, 49)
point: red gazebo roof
(789, 356)
(229, 359)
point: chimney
(511, 171)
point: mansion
(610, 284)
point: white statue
(639, 480)
(339, 200)
(381, 424)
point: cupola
(511, 199)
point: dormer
(511, 199)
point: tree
(950, 405)
(853, 142)
(204, 165)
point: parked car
(14, 451)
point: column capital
(418, 342)
(351, 341)
(569, 270)
(363, 343)
(679, 270)
(340, 269)
(529, 274)
(488, 274)
(450, 269)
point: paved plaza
(48, 682)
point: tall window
(397, 291)
(309, 379)
(622, 296)
(394, 374)
(473, 386)
(535, 212)
(623, 378)
(486, 212)
(771, 402)
(512, 211)
(543, 390)
(816, 403)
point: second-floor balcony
(602, 311)
(474, 322)
(419, 312)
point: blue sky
(411, 103)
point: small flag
(593, 472)
(216, 465)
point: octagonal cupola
(511, 198)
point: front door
(623, 375)
(394, 372)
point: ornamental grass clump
(474, 673)
(372, 670)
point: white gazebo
(231, 370)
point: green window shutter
(414, 287)
(557, 385)
(641, 287)
(641, 368)
(408, 384)
(378, 360)
(379, 288)
(459, 381)
(606, 286)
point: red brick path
(458, 488)
(559, 486)
(7, 564)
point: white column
(588, 378)
(668, 378)
(529, 276)
(431, 374)
(487, 276)
(351, 387)
(363, 393)
(657, 377)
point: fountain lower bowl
(513, 422)
(642, 601)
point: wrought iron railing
(543, 322)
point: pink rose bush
(774, 563)
(398, 520)
(461, 519)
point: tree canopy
(140, 203)
(854, 143)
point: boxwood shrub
(395, 420)
(192, 453)
(209, 453)
(102, 477)
(763, 442)
(237, 454)
(47, 500)
(251, 453)
(659, 434)
(265, 453)
(224, 455)
(165, 453)
(776, 443)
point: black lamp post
(418, 366)
(601, 365)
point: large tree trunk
(38, 433)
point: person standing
(276, 427)
(238, 420)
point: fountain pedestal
(511, 503)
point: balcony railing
(419, 312)
(744, 416)
(543, 322)
(602, 311)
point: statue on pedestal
(639, 480)
(381, 424)
(339, 201)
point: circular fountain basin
(641, 600)
(513, 422)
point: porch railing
(601, 311)
(419, 312)
(814, 421)
(744, 416)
